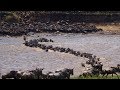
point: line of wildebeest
(97, 66)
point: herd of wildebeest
(93, 61)
(23, 28)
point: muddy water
(15, 56)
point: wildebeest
(27, 75)
(44, 40)
(37, 73)
(49, 47)
(107, 72)
(82, 64)
(31, 43)
(86, 74)
(87, 55)
(62, 74)
(47, 75)
(24, 38)
(98, 66)
(12, 75)
(51, 40)
(32, 74)
(77, 53)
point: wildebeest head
(69, 71)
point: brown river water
(14, 55)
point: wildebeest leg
(112, 74)
(67, 77)
(97, 74)
(84, 74)
(117, 75)
(91, 75)
(102, 74)
(106, 75)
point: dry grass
(113, 28)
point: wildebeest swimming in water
(25, 38)
(34, 42)
(37, 73)
(82, 64)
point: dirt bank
(109, 28)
